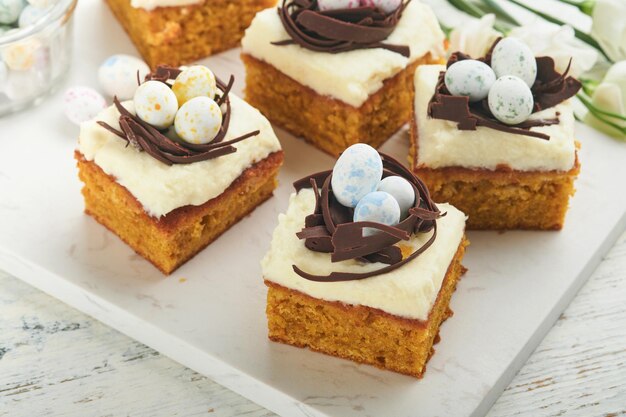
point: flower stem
(585, 6)
(579, 34)
(494, 6)
(585, 100)
(476, 12)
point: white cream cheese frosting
(441, 144)
(153, 4)
(161, 188)
(409, 291)
(347, 76)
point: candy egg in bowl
(35, 50)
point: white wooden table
(56, 361)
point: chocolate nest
(339, 30)
(146, 138)
(550, 88)
(330, 228)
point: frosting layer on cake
(161, 188)
(347, 76)
(409, 291)
(153, 4)
(441, 144)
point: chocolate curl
(147, 138)
(330, 228)
(340, 30)
(549, 89)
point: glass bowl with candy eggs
(35, 50)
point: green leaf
(495, 7)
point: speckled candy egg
(357, 172)
(30, 15)
(118, 75)
(469, 78)
(83, 104)
(379, 207)
(401, 190)
(386, 6)
(195, 81)
(10, 10)
(513, 57)
(156, 104)
(510, 100)
(198, 120)
(21, 56)
(337, 4)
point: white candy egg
(357, 172)
(10, 10)
(30, 15)
(513, 57)
(337, 4)
(198, 120)
(195, 81)
(510, 100)
(386, 6)
(42, 3)
(21, 56)
(469, 78)
(118, 75)
(401, 190)
(156, 104)
(83, 104)
(379, 207)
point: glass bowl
(35, 59)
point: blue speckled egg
(117, 75)
(30, 15)
(513, 57)
(469, 78)
(379, 207)
(401, 190)
(10, 10)
(357, 172)
(510, 100)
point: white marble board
(209, 315)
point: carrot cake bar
(168, 180)
(364, 275)
(497, 139)
(176, 32)
(339, 76)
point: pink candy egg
(83, 104)
(337, 4)
(386, 6)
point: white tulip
(609, 27)
(474, 38)
(558, 42)
(610, 96)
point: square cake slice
(362, 309)
(169, 211)
(177, 32)
(500, 178)
(337, 98)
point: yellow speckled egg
(156, 104)
(195, 81)
(20, 56)
(199, 120)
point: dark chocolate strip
(341, 30)
(147, 138)
(549, 89)
(330, 227)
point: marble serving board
(210, 314)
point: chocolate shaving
(550, 88)
(146, 138)
(330, 228)
(339, 30)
